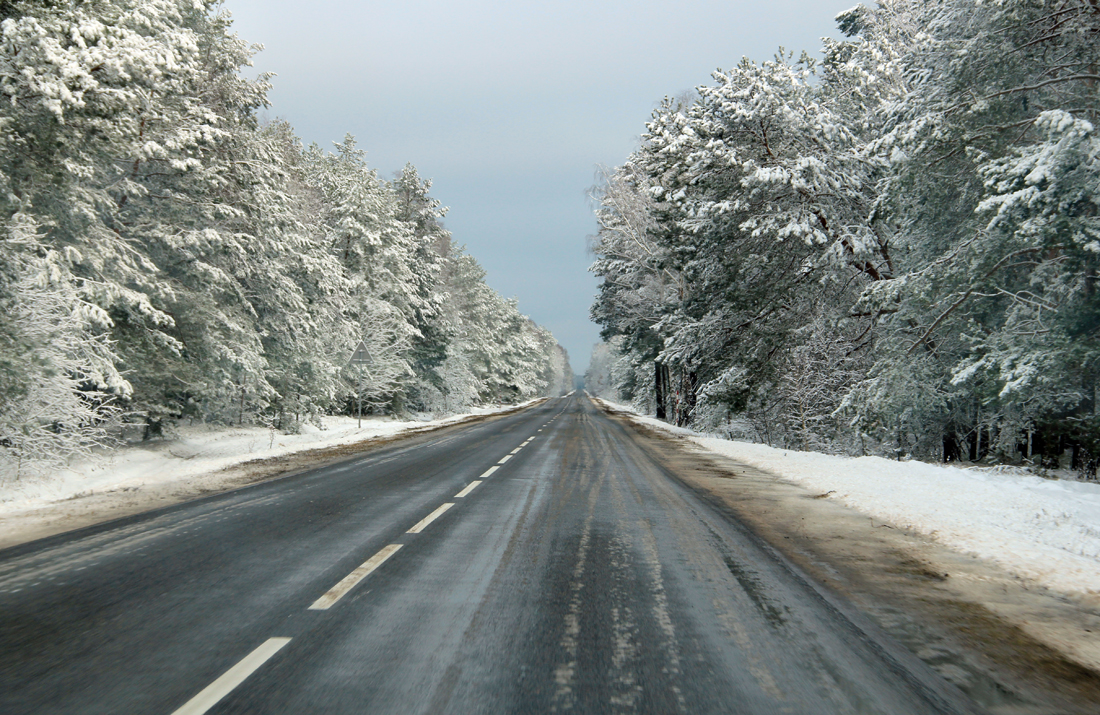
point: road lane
(578, 577)
(139, 615)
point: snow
(197, 451)
(1041, 529)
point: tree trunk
(659, 389)
(951, 451)
(688, 413)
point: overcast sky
(509, 107)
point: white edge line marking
(469, 488)
(233, 677)
(423, 523)
(506, 458)
(347, 583)
(516, 450)
(488, 472)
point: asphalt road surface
(533, 563)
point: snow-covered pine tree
(423, 214)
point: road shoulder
(1012, 645)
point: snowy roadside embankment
(197, 451)
(1041, 529)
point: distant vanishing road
(533, 563)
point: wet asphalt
(579, 576)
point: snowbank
(1045, 530)
(197, 451)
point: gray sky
(509, 107)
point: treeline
(167, 256)
(891, 251)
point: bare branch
(1040, 85)
(967, 295)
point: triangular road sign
(361, 356)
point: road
(569, 572)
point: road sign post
(359, 358)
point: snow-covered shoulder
(1041, 529)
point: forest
(168, 255)
(891, 250)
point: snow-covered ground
(196, 451)
(1041, 529)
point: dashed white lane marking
(506, 458)
(423, 523)
(233, 677)
(515, 450)
(469, 488)
(489, 472)
(337, 592)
